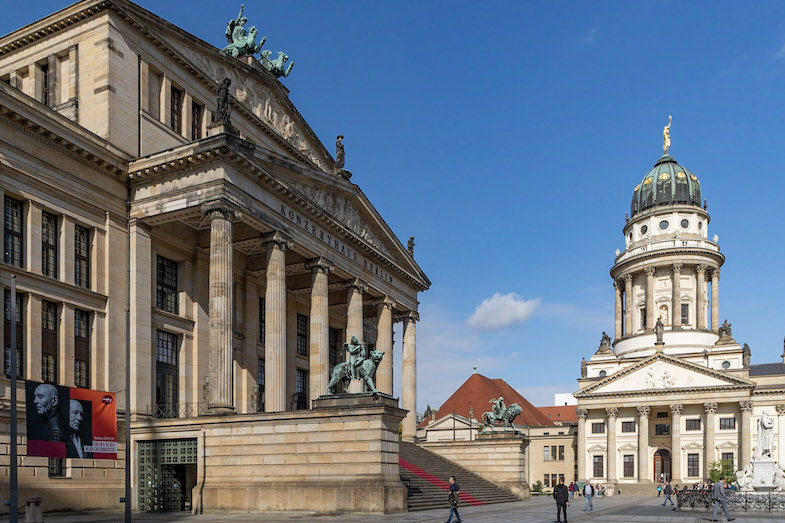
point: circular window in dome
(603, 374)
(681, 175)
(644, 229)
(664, 224)
(726, 364)
(685, 224)
(664, 176)
(647, 181)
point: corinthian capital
(780, 409)
(701, 269)
(627, 278)
(650, 271)
(582, 413)
(677, 266)
(676, 408)
(644, 411)
(715, 273)
(612, 412)
(745, 406)
(710, 407)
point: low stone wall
(498, 458)
(338, 458)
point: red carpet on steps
(430, 478)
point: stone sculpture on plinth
(765, 434)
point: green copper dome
(668, 183)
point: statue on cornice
(224, 110)
(340, 155)
(725, 331)
(410, 245)
(277, 66)
(241, 42)
(746, 353)
(666, 137)
(584, 368)
(659, 330)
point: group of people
(717, 494)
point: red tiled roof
(565, 413)
(477, 392)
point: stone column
(715, 299)
(220, 397)
(628, 329)
(643, 443)
(709, 447)
(781, 432)
(676, 409)
(610, 425)
(354, 322)
(409, 376)
(700, 272)
(676, 298)
(319, 327)
(617, 292)
(582, 415)
(745, 446)
(384, 343)
(275, 397)
(142, 341)
(650, 297)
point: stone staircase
(426, 476)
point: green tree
(537, 487)
(721, 470)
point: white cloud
(502, 310)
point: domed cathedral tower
(668, 265)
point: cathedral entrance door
(662, 466)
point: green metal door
(162, 473)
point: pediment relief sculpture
(342, 210)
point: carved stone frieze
(342, 210)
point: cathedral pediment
(661, 373)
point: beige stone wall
(499, 459)
(539, 438)
(324, 460)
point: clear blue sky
(508, 137)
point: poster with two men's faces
(66, 422)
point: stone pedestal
(763, 475)
(342, 401)
(220, 128)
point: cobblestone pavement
(622, 509)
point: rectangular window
(333, 344)
(82, 349)
(166, 293)
(727, 457)
(693, 424)
(663, 414)
(45, 94)
(301, 388)
(599, 468)
(561, 452)
(261, 320)
(546, 480)
(154, 81)
(727, 423)
(302, 335)
(197, 113)
(629, 465)
(598, 428)
(662, 429)
(56, 467)
(685, 313)
(81, 257)
(693, 462)
(553, 480)
(643, 317)
(260, 384)
(628, 426)
(546, 453)
(176, 110)
(7, 334)
(49, 244)
(48, 342)
(166, 374)
(12, 234)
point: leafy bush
(721, 470)
(537, 487)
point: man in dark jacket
(668, 490)
(561, 496)
(453, 499)
(718, 495)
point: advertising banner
(66, 422)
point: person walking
(453, 499)
(667, 491)
(659, 489)
(718, 496)
(571, 490)
(588, 493)
(562, 500)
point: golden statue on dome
(666, 137)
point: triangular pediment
(661, 373)
(447, 422)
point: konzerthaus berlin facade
(649, 410)
(248, 255)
